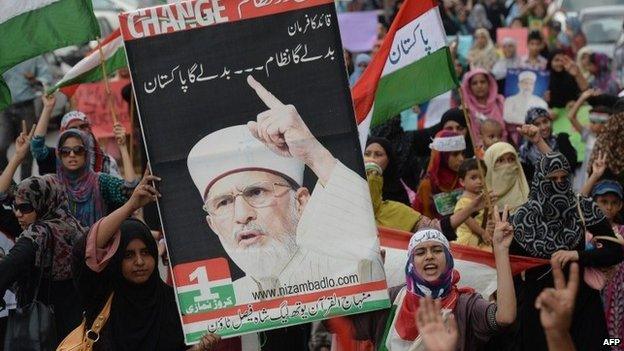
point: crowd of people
(545, 185)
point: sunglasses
(24, 208)
(78, 150)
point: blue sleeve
(38, 148)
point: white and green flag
(89, 69)
(412, 66)
(31, 27)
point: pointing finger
(269, 99)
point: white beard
(266, 262)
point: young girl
(91, 195)
(429, 272)
(439, 189)
(118, 260)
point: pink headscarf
(493, 109)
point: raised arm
(128, 167)
(531, 132)
(577, 105)
(22, 146)
(143, 194)
(284, 132)
(506, 296)
(46, 113)
(598, 168)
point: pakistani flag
(412, 66)
(89, 69)
(31, 27)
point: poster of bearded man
(247, 117)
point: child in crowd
(598, 116)
(609, 196)
(491, 133)
(533, 60)
(471, 232)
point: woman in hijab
(381, 152)
(46, 156)
(478, 18)
(396, 214)
(532, 148)
(42, 253)
(552, 225)
(509, 60)
(566, 80)
(439, 189)
(505, 177)
(602, 77)
(412, 147)
(91, 195)
(119, 258)
(483, 53)
(582, 61)
(611, 144)
(481, 97)
(361, 62)
(572, 39)
(430, 273)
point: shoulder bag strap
(93, 335)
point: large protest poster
(91, 99)
(524, 89)
(247, 118)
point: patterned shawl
(47, 195)
(550, 220)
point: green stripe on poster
(272, 324)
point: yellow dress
(465, 236)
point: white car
(602, 26)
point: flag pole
(109, 95)
(132, 125)
(486, 193)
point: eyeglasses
(78, 150)
(24, 208)
(257, 195)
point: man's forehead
(240, 180)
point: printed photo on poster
(248, 120)
(524, 89)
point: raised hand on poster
(284, 132)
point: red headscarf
(439, 178)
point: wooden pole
(486, 193)
(109, 95)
